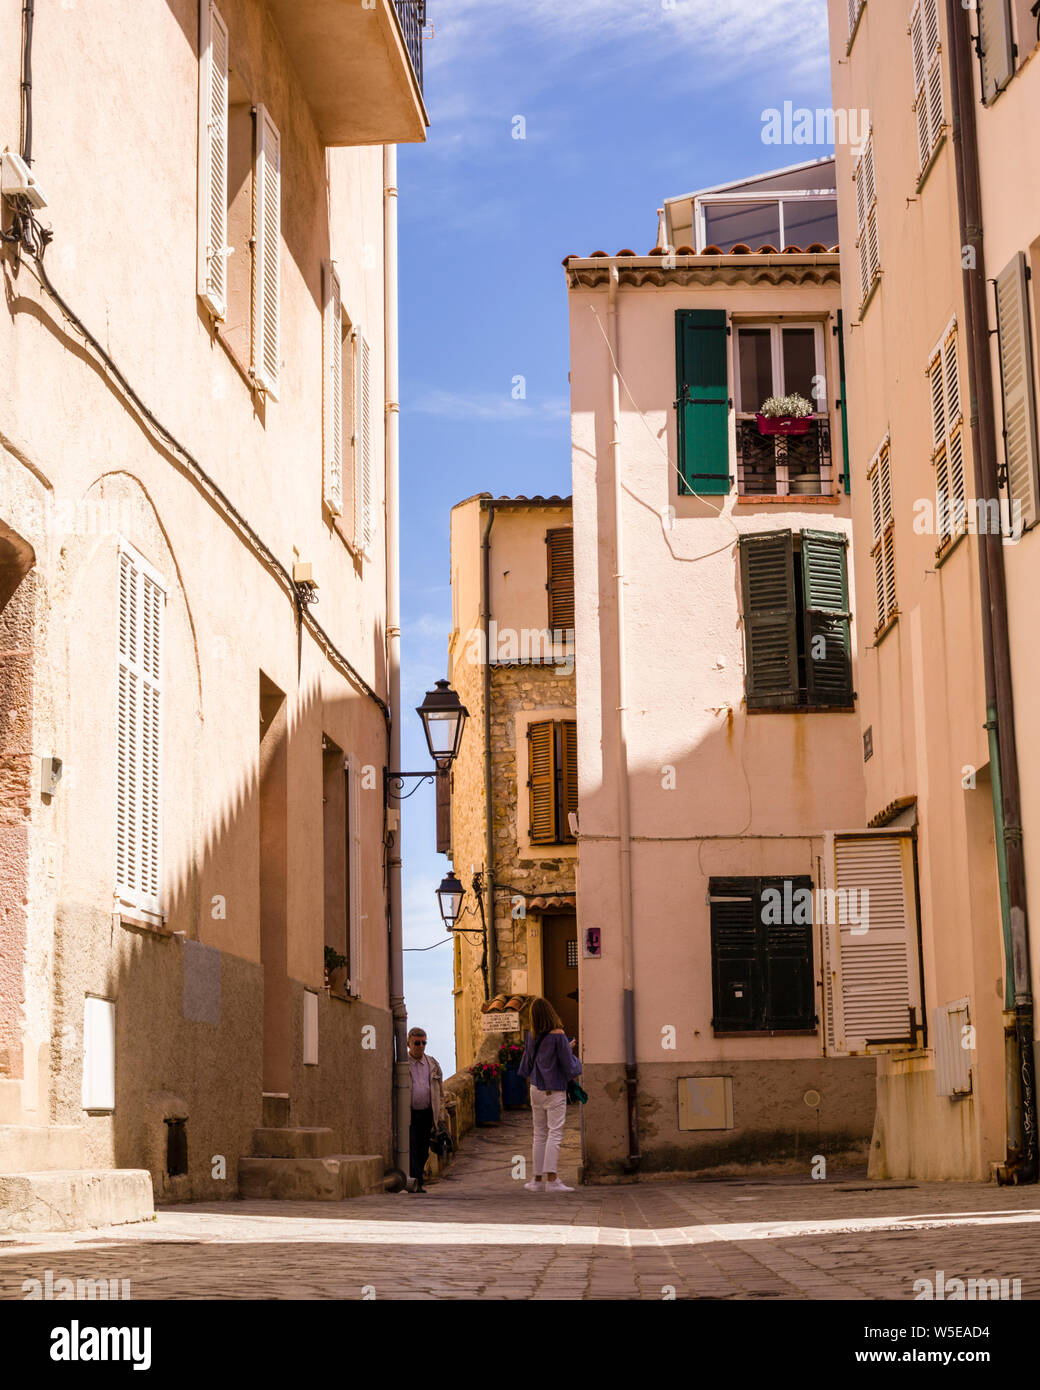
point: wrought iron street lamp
(443, 718)
(449, 896)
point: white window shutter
(363, 449)
(139, 737)
(267, 252)
(213, 159)
(1016, 368)
(873, 974)
(917, 43)
(332, 393)
(355, 918)
(952, 1058)
(995, 42)
(935, 101)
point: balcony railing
(771, 465)
(412, 16)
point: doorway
(560, 967)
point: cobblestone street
(478, 1234)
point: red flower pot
(784, 424)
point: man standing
(427, 1104)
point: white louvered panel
(917, 44)
(833, 1025)
(863, 246)
(126, 784)
(935, 379)
(1016, 366)
(267, 254)
(332, 393)
(885, 472)
(952, 1058)
(952, 378)
(995, 42)
(861, 195)
(876, 995)
(364, 450)
(942, 493)
(956, 482)
(873, 249)
(876, 516)
(890, 572)
(213, 158)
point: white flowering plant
(792, 407)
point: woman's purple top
(554, 1064)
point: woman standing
(550, 1063)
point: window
(267, 251)
(866, 222)
(363, 448)
(559, 546)
(139, 736)
(947, 438)
(883, 547)
(777, 360)
(552, 781)
(1017, 387)
(761, 955)
(928, 96)
(797, 217)
(213, 158)
(797, 639)
(995, 47)
(871, 954)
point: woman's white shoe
(535, 1185)
(557, 1186)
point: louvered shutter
(846, 476)
(363, 448)
(872, 974)
(568, 779)
(786, 954)
(996, 51)
(559, 545)
(1016, 373)
(867, 242)
(443, 812)
(541, 781)
(354, 897)
(947, 436)
(737, 986)
(770, 639)
(267, 253)
(703, 400)
(828, 641)
(139, 737)
(213, 159)
(928, 100)
(332, 392)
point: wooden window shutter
(559, 544)
(444, 813)
(267, 252)
(541, 780)
(139, 737)
(332, 389)
(1017, 387)
(996, 50)
(568, 732)
(828, 640)
(354, 898)
(737, 986)
(787, 956)
(363, 448)
(872, 976)
(770, 639)
(213, 159)
(847, 473)
(703, 400)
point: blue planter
(488, 1103)
(514, 1089)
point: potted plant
(514, 1086)
(487, 1097)
(335, 970)
(785, 415)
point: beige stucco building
(192, 411)
(719, 746)
(942, 316)
(514, 786)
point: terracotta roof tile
(741, 249)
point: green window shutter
(703, 400)
(786, 946)
(846, 476)
(770, 638)
(542, 781)
(828, 643)
(737, 999)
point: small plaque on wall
(591, 943)
(504, 1021)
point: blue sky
(624, 103)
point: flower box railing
(412, 17)
(772, 465)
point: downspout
(628, 998)
(1021, 1163)
(402, 1097)
(488, 906)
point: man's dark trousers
(419, 1141)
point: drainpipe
(1021, 1163)
(488, 908)
(402, 1099)
(628, 998)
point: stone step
(40, 1148)
(330, 1179)
(301, 1142)
(74, 1200)
(275, 1110)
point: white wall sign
(501, 1022)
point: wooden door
(560, 967)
